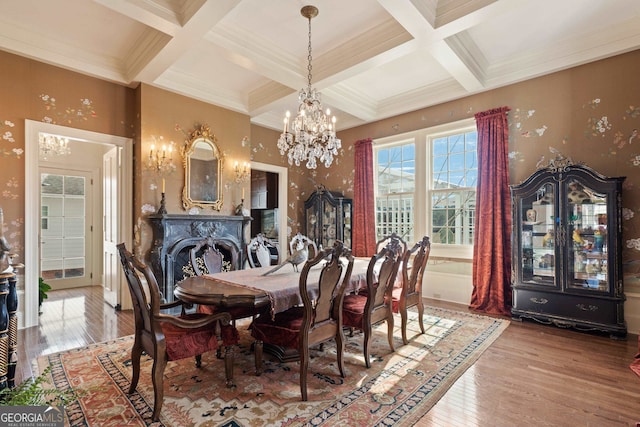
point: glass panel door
(587, 263)
(538, 244)
(62, 226)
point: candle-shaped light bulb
(164, 151)
(163, 185)
(328, 111)
(153, 147)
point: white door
(111, 262)
(65, 228)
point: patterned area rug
(397, 390)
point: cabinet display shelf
(567, 263)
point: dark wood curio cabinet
(328, 216)
(567, 265)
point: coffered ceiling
(372, 59)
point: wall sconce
(161, 161)
(242, 172)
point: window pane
(440, 146)
(395, 215)
(74, 185)
(73, 207)
(456, 161)
(456, 144)
(51, 184)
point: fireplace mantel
(174, 235)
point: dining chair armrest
(197, 320)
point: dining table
(266, 294)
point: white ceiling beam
(192, 32)
(151, 14)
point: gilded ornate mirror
(202, 171)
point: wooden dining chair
(317, 320)
(372, 305)
(262, 252)
(380, 244)
(166, 337)
(205, 257)
(414, 263)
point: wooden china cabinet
(328, 216)
(567, 264)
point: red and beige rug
(397, 390)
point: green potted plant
(37, 391)
(43, 288)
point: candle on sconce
(163, 185)
(242, 193)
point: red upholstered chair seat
(283, 330)
(395, 303)
(353, 309)
(183, 343)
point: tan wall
(167, 117)
(36, 91)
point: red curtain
(492, 242)
(363, 221)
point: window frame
(423, 140)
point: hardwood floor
(533, 375)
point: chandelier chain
(309, 57)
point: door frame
(283, 208)
(29, 311)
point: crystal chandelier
(312, 135)
(53, 145)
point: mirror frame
(199, 136)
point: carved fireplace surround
(174, 235)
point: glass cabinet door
(538, 245)
(587, 238)
(329, 223)
(312, 222)
(347, 224)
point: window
(454, 169)
(396, 167)
(425, 184)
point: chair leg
(390, 330)
(340, 350)
(198, 360)
(366, 345)
(136, 353)
(228, 365)
(403, 317)
(304, 367)
(421, 314)
(157, 375)
(257, 353)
